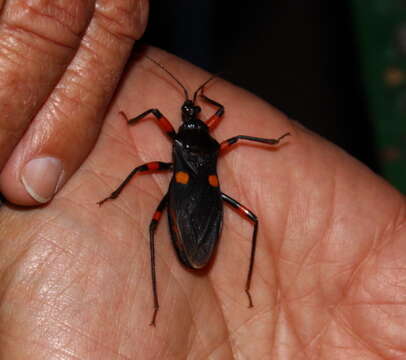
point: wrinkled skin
(330, 274)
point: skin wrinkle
(119, 140)
(122, 209)
(301, 264)
(72, 16)
(223, 319)
(360, 265)
(83, 69)
(324, 327)
(23, 342)
(245, 324)
(277, 311)
(347, 329)
(392, 227)
(184, 292)
(24, 29)
(28, 33)
(58, 114)
(112, 235)
(125, 295)
(241, 238)
(290, 319)
(72, 254)
(342, 321)
(197, 338)
(276, 252)
(124, 142)
(320, 334)
(57, 352)
(276, 262)
(210, 353)
(117, 22)
(8, 270)
(7, 49)
(381, 308)
(93, 45)
(230, 298)
(120, 36)
(77, 87)
(224, 342)
(307, 255)
(262, 276)
(197, 334)
(65, 326)
(225, 339)
(27, 7)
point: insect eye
(198, 109)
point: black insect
(194, 199)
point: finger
(37, 42)
(65, 129)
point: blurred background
(338, 67)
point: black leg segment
(227, 143)
(152, 228)
(163, 122)
(249, 215)
(151, 166)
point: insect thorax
(195, 150)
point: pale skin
(329, 275)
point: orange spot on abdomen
(213, 180)
(182, 177)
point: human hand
(328, 278)
(60, 63)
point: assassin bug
(194, 199)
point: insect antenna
(171, 75)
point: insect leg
(214, 119)
(227, 143)
(151, 166)
(163, 122)
(249, 215)
(152, 228)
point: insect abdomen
(195, 217)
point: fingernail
(40, 178)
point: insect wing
(195, 219)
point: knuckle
(60, 22)
(123, 18)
